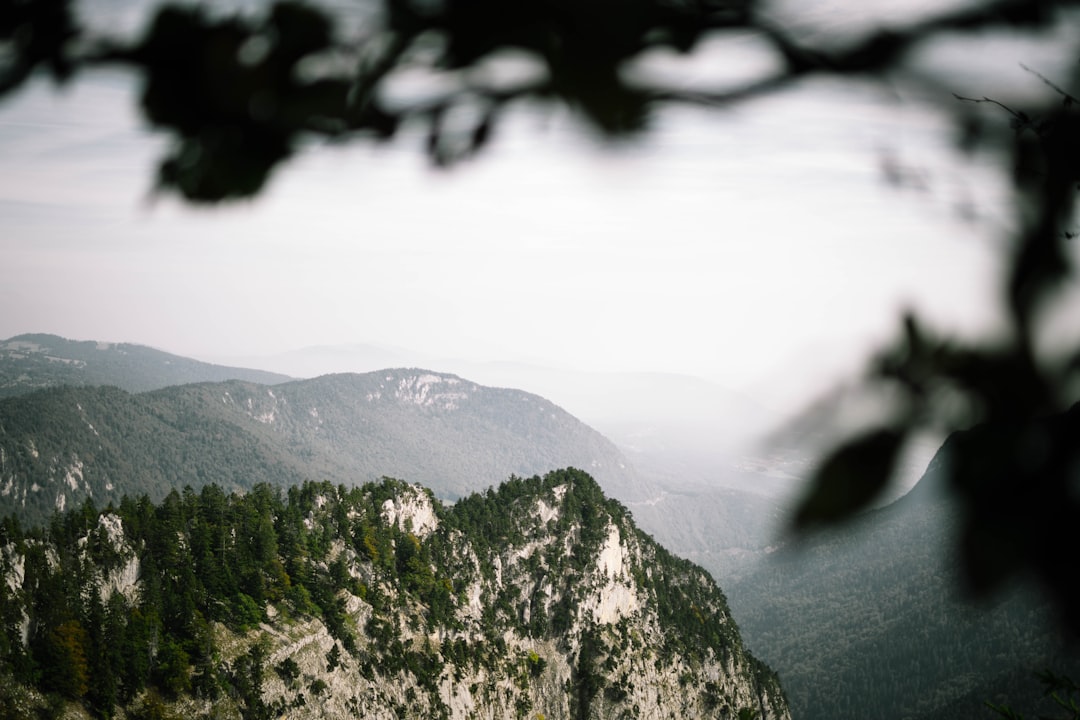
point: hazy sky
(735, 245)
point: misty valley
(181, 539)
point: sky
(759, 247)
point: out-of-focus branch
(235, 94)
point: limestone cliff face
(539, 599)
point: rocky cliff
(538, 599)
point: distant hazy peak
(33, 361)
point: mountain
(679, 434)
(666, 418)
(538, 599)
(447, 433)
(670, 465)
(32, 362)
(868, 620)
(716, 496)
(61, 445)
(316, 360)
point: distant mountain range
(60, 445)
(662, 418)
(680, 425)
(862, 622)
(680, 500)
(32, 362)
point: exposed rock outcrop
(539, 599)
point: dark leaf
(34, 34)
(482, 132)
(850, 478)
(1000, 383)
(1053, 683)
(1018, 480)
(222, 164)
(1004, 711)
(300, 30)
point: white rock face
(113, 527)
(430, 391)
(610, 559)
(14, 567)
(617, 598)
(546, 513)
(123, 580)
(412, 512)
(74, 475)
(268, 416)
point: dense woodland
(885, 628)
(209, 559)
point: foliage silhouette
(1061, 689)
(238, 93)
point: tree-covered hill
(59, 446)
(724, 530)
(32, 362)
(538, 598)
(443, 431)
(870, 620)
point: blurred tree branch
(238, 92)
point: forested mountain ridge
(539, 599)
(61, 445)
(443, 431)
(35, 361)
(884, 630)
(676, 501)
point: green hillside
(869, 620)
(60, 446)
(33, 362)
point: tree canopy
(238, 91)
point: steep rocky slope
(538, 599)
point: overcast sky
(738, 246)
